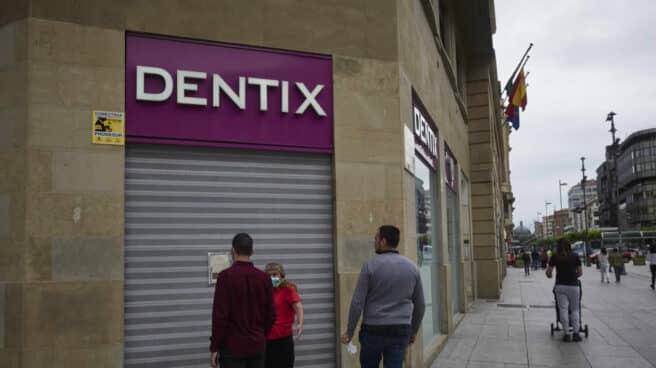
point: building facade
(577, 210)
(630, 190)
(560, 221)
(307, 125)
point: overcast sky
(589, 57)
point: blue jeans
(390, 348)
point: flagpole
(520, 66)
(521, 61)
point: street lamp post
(542, 229)
(610, 117)
(560, 190)
(585, 213)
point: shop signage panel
(425, 132)
(206, 93)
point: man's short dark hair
(391, 234)
(242, 243)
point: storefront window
(427, 254)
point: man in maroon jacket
(243, 310)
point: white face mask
(275, 281)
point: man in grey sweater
(390, 297)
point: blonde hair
(277, 267)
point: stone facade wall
(62, 198)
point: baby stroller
(557, 326)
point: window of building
(426, 194)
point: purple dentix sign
(426, 143)
(204, 93)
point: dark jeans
(527, 268)
(252, 361)
(280, 353)
(390, 348)
(653, 273)
(618, 272)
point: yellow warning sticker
(108, 127)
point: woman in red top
(280, 343)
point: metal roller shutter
(182, 203)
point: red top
(284, 297)
(243, 310)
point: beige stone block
(481, 176)
(92, 12)
(12, 260)
(39, 171)
(357, 111)
(13, 122)
(87, 259)
(75, 215)
(488, 279)
(77, 86)
(477, 100)
(481, 125)
(340, 29)
(10, 358)
(484, 226)
(13, 42)
(51, 323)
(365, 76)
(5, 214)
(346, 285)
(13, 89)
(481, 201)
(12, 170)
(12, 311)
(482, 214)
(357, 223)
(88, 171)
(110, 356)
(478, 86)
(479, 137)
(484, 240)
(368, 146)
(480, 153)
(55, 127)
(485, 253)
(446, 308)
(481, 189)
(38, 259)
(292, 26)
(368, 181)
(381, 29)
(53, 42)
(11, 11)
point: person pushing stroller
(567, 289)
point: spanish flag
(518, 96)
(517, 99)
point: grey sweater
(388, 292)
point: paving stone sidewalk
(513, 332)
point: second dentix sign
(204, 93)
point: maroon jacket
(243, 310)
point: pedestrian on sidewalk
(616, 261)
(280, 342)
(603, 265)
(535, 258)
(243, 311)
(544, 258)
(568, 270)
(390, 294)
(526, 258)
(652, 261)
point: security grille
(182, 203)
